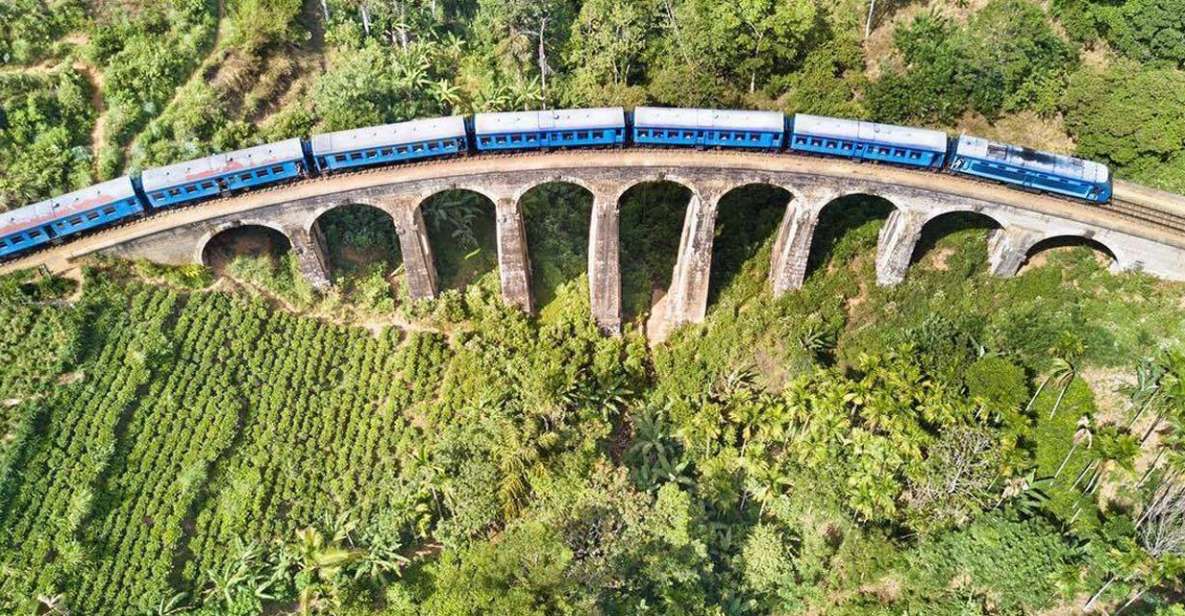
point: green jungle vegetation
(226, 440)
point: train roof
(551, 119)
(389, 134)
(1036, 160)
(222, 164)
(658, 117)
(824, 126)
(61, 206)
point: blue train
(197, 180)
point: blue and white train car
(390, 143)
(1056, 173)
(763, 130)
(205, 177)
(94, 206)
(887, 143)
(554, 128)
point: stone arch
(199, 255)
(461, 224)
(747, 216)
(938, 225)
(654, 211)
(356, 245)
(557, 203)
(532, 185)
(843, 213)
(1033, 252)
(634, 182)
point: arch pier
(1024, 220)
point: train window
(3, 244)
(341, 158)
(261, 173)
(158, 196)
(109, 210)
(516, 138)
(754, 137)
(386, 151)
(77, 220)
(582, 135)
(277, 170)
(433, 146)
(35, 233)
(643, 133)
(617, 132)
(531, 138)
(191, 188)
(16, 239)
(846, 146)
(207, 185)
(356, 156)
(419, 147)
(92, 215)
(245, 177)
(688, 135)
(401, 149)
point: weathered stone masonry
(1019, 230)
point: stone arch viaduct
(1023, 219)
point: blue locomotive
(265, 165)
(1055, 173)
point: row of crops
(177, 427)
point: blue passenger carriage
(390, 143)
(1056, 173)
(205, 177)
(64, 215)
(554, 128)
(887, 143)
(725, 128)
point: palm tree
(1146, 389)
(1060, 366)
(1082, 435)
(1015, 486)
(1065, 372)
(54, 605)
(447, 94)
(1172, 384)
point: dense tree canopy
(1132, 117)
(1006, 58)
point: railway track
(1145, 214)
(1132, 202)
